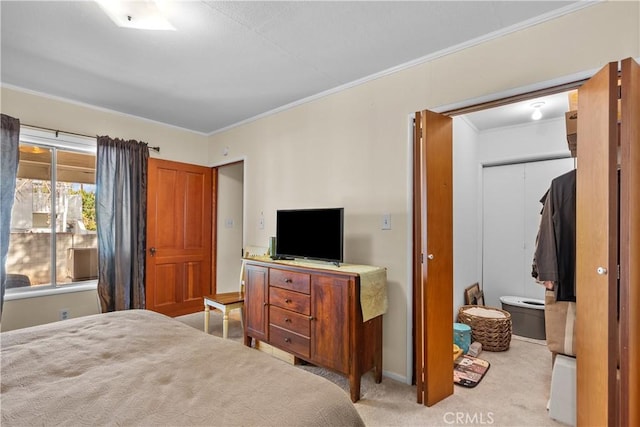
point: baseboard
(396, 377)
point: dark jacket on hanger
(555, 254)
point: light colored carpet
(514, 392)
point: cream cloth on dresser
(373, 289)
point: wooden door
(255, 302)
(178, 237)
(630, 245)
(433, 256)
(596, 249)
(330, 324)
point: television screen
(310, 233)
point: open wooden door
(607, 337)
(630, 245)
(178, 262)
(433, 256)
(596, 249)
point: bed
(139, 367)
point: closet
(601, 399)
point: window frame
(54, 141)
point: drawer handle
(311, 318)
(288, 301)
(286, 319)
(265, 304)
(287, 340)
(288, 281)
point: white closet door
(538, 177)
(511, 216)
(503, 224)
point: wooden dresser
(314, 314)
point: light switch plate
(386, 222)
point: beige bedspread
(141, 368)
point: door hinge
(417, 126)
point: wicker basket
(494, 333)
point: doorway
(601, 399)
(229, 214)
(474, 143)
(504, 161)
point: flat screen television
(310, 233)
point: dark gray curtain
(121, 212)
(10, 156)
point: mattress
(139, 367)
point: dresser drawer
(286, 319)
(289, 341)
(289, 300)
(299, 282)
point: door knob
(153, 251)
(430, 256)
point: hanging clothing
(555, 255)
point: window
(53, 238)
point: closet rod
(157, 149)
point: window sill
(86, 286)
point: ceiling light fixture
(141, 15)
(537, 110)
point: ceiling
(553, 106)
(228, 62)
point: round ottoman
(491, 327)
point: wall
(34, 109)
(466, 243)
(351, 148)
(546, 138)
(24, 312)
(29, 254)
(229, 235)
